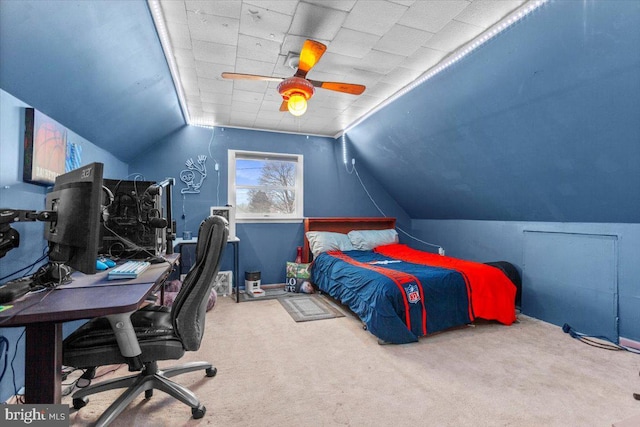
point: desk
(233, 241)
(42, 314)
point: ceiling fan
(297, 90)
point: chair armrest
(126, 338)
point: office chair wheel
(211, 372)
(148, 393)
(198, 412)
(80, 402)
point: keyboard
(128, 270)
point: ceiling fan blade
(350, 88)
(283, 106)
(239, 76)
(311, 53)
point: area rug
(304, 308)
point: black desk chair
(162, 334)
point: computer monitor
(74, 235)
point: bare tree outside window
(266, 187)
(279, 177)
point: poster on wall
(45, 148)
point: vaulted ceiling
(384, 45)
(102, 70)
(540, 123)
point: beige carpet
(273, 372)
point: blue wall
(329, 189)
(486, 241)
(19, 195)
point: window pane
(248, 172)
(262, 200)
(266, 185)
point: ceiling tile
(214, 52)
(345, 5)
(252, 66)
(353, 43)
(242, 118)
(335, 64)
(432, 15)
(401, 75)
(380, 62)
(363, 77)
(257, 49)
(251, 86)
(174, 11)
(484, 13)
(402, 40)
(404, 2)
(287, 7)
(270, 111)
(215, 85)
(210, 70)
(211, 28)
(374, 16)
(382, 90)
(215, 108)
(316, 22)
(250, 107)
(423, 59)
(189, 75)
(179, 35)
(216, 98)
(184, 58)
(228, 8)
(262, 23)
(453, 35)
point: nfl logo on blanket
(413, 294)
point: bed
(399, 293)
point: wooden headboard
(343, 225)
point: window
(266, 186)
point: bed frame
(343, 225)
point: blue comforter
(398, 301)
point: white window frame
(298, 215)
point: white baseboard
(630, 343)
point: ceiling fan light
(297, 104)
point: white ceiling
(385, 45)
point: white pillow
(366, 240)
(324, 241)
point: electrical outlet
(441, 251)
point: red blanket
(491, 293)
